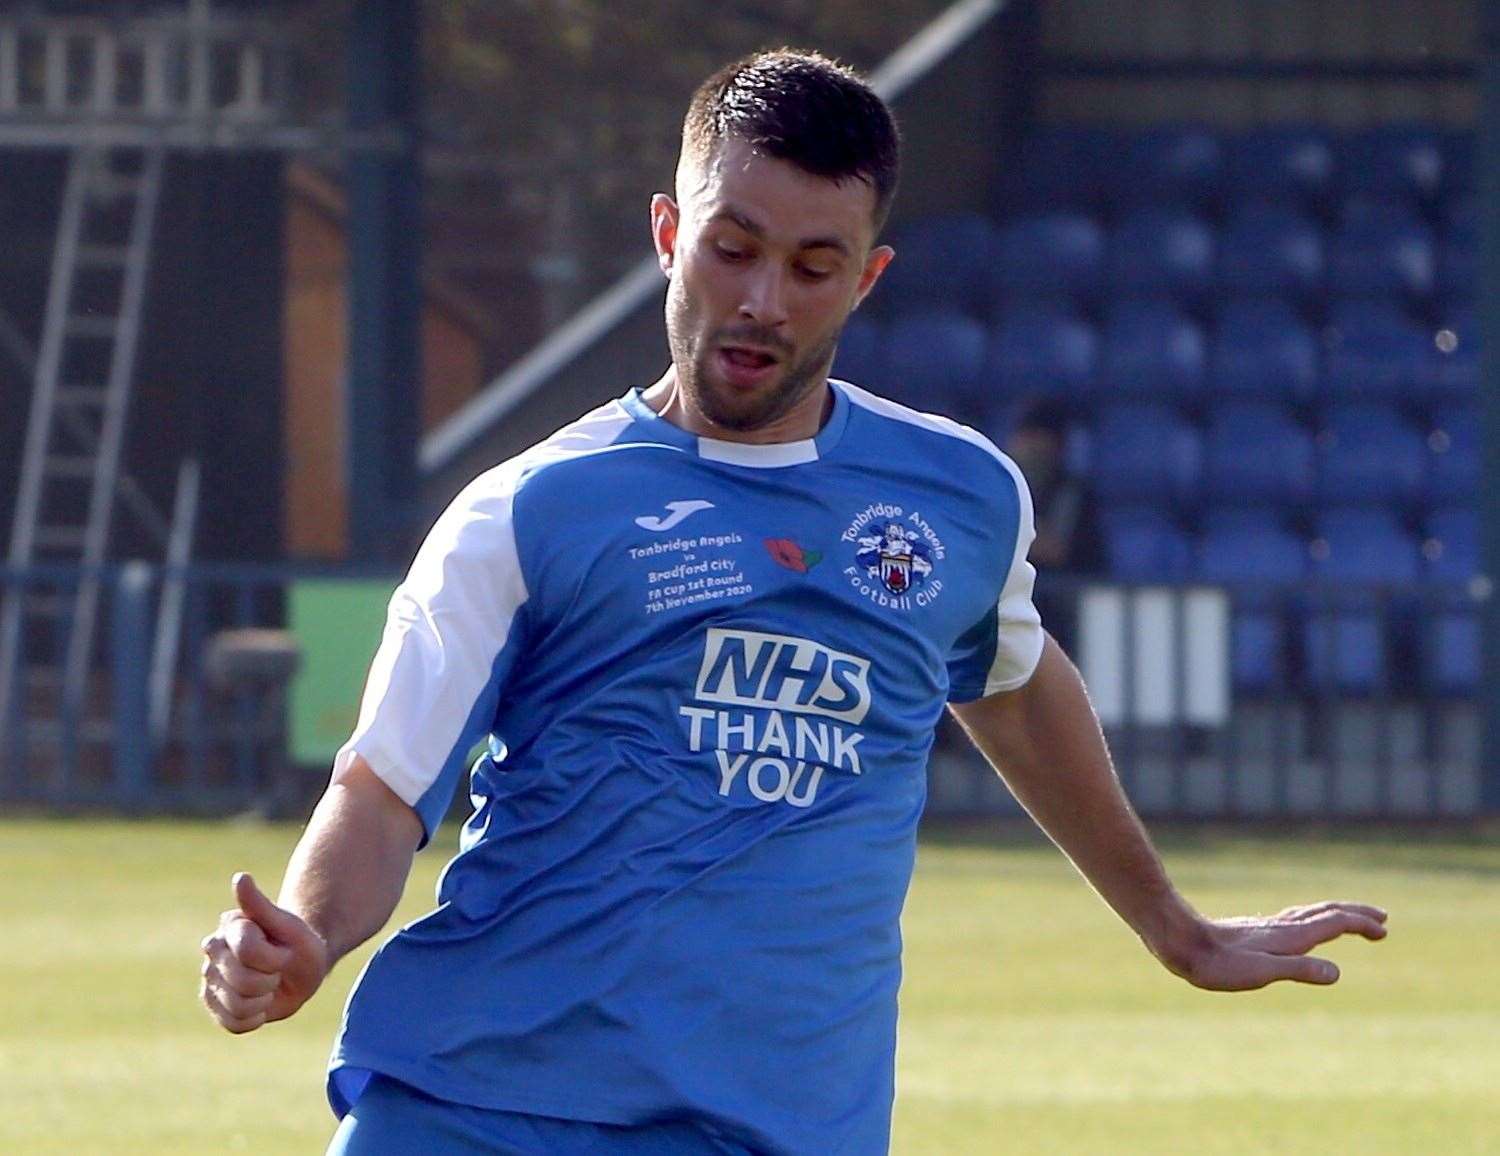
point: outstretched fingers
(1303, 932)
(1369, 911)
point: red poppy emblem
(787, 553)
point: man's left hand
(1246, 953)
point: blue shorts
(393, 1119)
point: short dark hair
(804, 108)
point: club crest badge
(896, 553)
(899, 560)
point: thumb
(1310, 969)
(278, 923)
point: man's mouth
(748, 358)
(744, 366)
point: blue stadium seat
(1369, 455)
(1262, 350)
(1458, 162)
(1145, 453)
(1399, 161)
(1271, 250)
(1452, 544)
(1364, 544)
(1454, 470)
(1260, 561)
(1374, 352)
(1345, 637)
(1451, 372)
(1153, 349)
(935, 359)
(1287, 164)
(943, 260)
(1043, 350)
(1381, 248)
(1161, 251)
(1458, 249)
(1144, 544)
(859, 354)
(1450, 654)
(1064, 167)
(1256, 453)
(1171, 164)
(1049, 255)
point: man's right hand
(262, 964)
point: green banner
(338, 625)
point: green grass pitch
(1031, 1022)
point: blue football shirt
(711, 674)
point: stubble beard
(720, 404)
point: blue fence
(1240, 700)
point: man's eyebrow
(733, 215)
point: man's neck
(801, 422)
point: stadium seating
(1359, 554)
(1269, 341)
(1161, 251)
(1450, 654)
(935, 360)
(1043, 350)
(1458, 162)
(1395, 161)
(1374, 352)
(1381, 248)
(1450, 371)
(1458, 249)
(1171, 165)
(1144, 544)
(1369, 455)
(1289, 165)
(1064, 167)
(1453, 535)
(1252, 553)
(1048, 255)
(943, 261)
(1145, 453)
(1151, 348)
(1255, 453)
(1271, 250)
(1454, 473)
(1261, 350)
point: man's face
(766, 262)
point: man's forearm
(350, 866)
(1045, 741)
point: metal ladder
(74, 441)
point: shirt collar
(771, 455)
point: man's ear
(664, 217)
(875, 264)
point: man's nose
(764, 297)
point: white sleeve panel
(1018, 646)
(447, 623)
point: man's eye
(729, 253)
(813, 274)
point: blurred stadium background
(279, 276)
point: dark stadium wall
(208, 381)
(208, 367)
(30, 197)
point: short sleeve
(1001, 651)
(452, 635)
